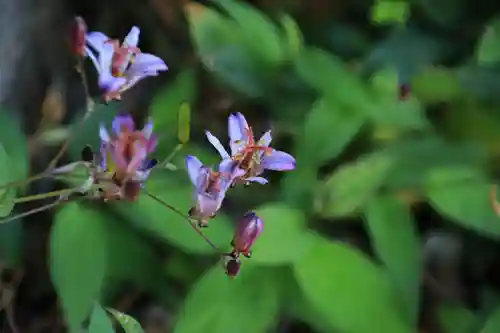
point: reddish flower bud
(404, 91)
(78, 36)
(247, 232)
(232, 267)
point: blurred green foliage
(364, 155)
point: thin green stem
(178, 212)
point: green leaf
(129, 324)
(327, 131)
(248, 304)
(488, 50)
(456, 319)
(285, 238)
(353, 185)
(492, 325)
(258, 32)
(447, 13)
(7, 195)
(77, 260)
(163, 223)
(184, 123)
(390, 11)
(327, 74)
(342, 284)
(395, 240)
(99, 321)
(15, 144)
(462, 194)
(293, 36)
(12, 243)
(88, 132)
(437, 85)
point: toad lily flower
(252, 157)
(124, 153)
(210, 187)
(121, 66)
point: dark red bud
(78, 36)
(404, 91)
(232, 267)
(248, 230)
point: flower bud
(232, 267)
(248, 230)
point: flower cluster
(120, 169)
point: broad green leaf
(15, 144)
(492, 325)
(456, 319)
(7, 195)
(342, 283)
(99, 321)
(129, 324)
(462, 194)
(284, 239)
(353, 185)
(12, 243)
(395, 240)
(258, 32)
(327, 74)
(88, 132)
(77, 260)
(384, 11)
(184, 123)
(293, 36)
(165, 224)
(169, 100)
(328, 129)
(488, 49)
(435, 85)
(392, 114)
(248, 303)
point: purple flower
(121, 66)
(252, 157)
(210, 187)
(248, 230)
(125, 151)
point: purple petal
(237, 128)
(147, 130)
(103, 133)
(279, 161)
(208, 206)
(106, 58)
(145, 64)
(90, 54)
(217, 145)
(194, 167)
(96, 40)
(152, 143)
(265, 139)
(227, 166)
(132, 39)
(109, 83)
(123, 122)
(260, 180)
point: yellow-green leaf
(184, 123)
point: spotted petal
(217, 145)
(279, 161)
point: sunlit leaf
(384, 11)
(395, 240)
(129, 324)
(99, 320)
(284, 239)
(220, 304)
(456, 319)
(77, 260)
(488, 49)
(293, 36)
(462, 194)
(353, 185)
(184, 123)
(342, 284)
(436, 85)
